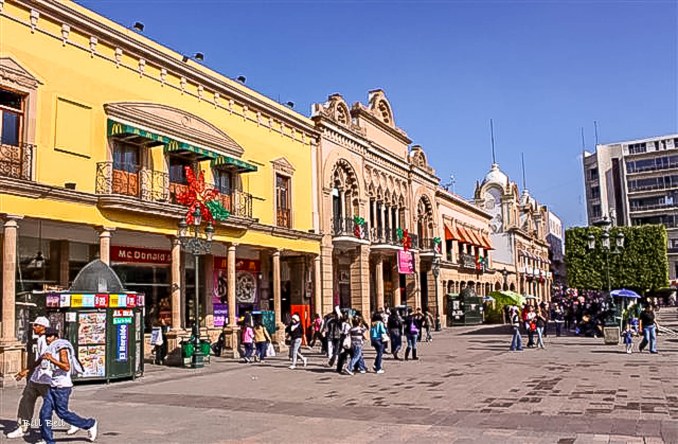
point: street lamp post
(436, 272)
(607, 250)
(504, 273)
(193, 242)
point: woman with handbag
(377, 335)
(261, 340)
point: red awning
(450, 232)
(463, 237)
(486, 241)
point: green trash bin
(205, 348)
(187, 349)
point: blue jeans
(540, 337)
(294, 351)
(261, 350)
(517, 341)
(57, 401)
(649, 336)
(412, 342)
(249, 349)
(379, 347)
(357, 357)
(396, 341)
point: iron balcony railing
(429, 244)
(156, 186)
(348, 227)
(283, 217)
(662, 186)
(658, 206)
(16, 161)
(386, 236)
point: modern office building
(635, 182)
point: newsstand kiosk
(103, 321)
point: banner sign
(246, 280)
(405, 262)
(220, 315)
(140, 255)
(121, 354)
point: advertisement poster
(122, 343)
(405, 262)
(92, 328)
(220, 315)
(246, 282)
(93, 360)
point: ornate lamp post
(197, 244)
(504, 273)
(605, 248)
(436, 272)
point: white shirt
(43, 373)
(60, 378)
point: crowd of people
(583, 314)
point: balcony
(386, 238)
(656, 187)
(283, 217)
(16, 161)
(429, 247)
(345, 232)
(648, 168)
(653, 207)
(135, 188)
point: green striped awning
(171, 145)
(239, 164)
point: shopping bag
(270, 351)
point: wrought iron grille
(348, 227)
(131, 180)
(16, 161)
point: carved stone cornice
(34, 190)
(175, 122)
(283, 165)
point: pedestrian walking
(357, 333)
(333, 337)
(558, 318)
(648, 325)
(248, 342)
(541, 322)
(317, 326)
(395, 332)
(38, 383)
(627, 335)
(514, 319)
(261, 339)
(295, 331)
(377, 334)
(412, 334)
(428, 324)
(530, 324)
(344, 346)
(62, 361)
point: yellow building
(98, 123)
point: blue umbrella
(624, 293)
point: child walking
(628, 338)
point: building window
(282, 200)
(125, 157)
(12, 115)
(177, 172)
(595, 192)
(593, 174)
(223, 181)
(596, 211)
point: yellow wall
(71, 124)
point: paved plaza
(467, 387)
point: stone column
(231, 349)
(379, 278)
(279, 336)
(317, 286)
(10, 349)
(176, 275)
(105, 244)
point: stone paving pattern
(467, 387)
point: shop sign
(64, 300)
(220, 314)
(82, 300)
(101, 301)
(121, 343)
(140, 255)
(118, 300)
(121, 321)
(405, 262)
(122, 313)
(52, 300)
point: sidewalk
(466, 388)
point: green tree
(641, 265)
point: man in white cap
(37, 385)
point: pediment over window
(175, 122)
(283, 165)
(13, 73)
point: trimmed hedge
(642, 264)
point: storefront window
(34, 264)
(154, 282)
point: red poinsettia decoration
(198, 197)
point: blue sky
(540, 69)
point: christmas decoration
(198, 197)
(359, 227)
(436, 244)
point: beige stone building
(518, 233)
(376, 191)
